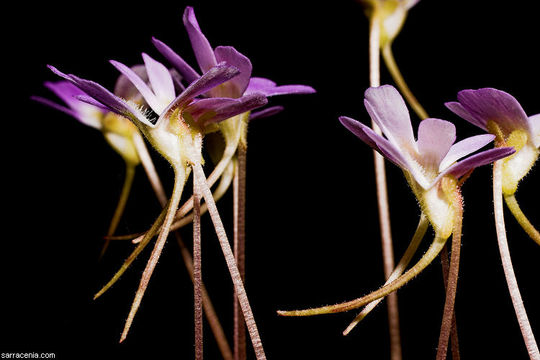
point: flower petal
(105, 97)
(483, 158)
(464, 148)
(491, 104)
(269, 88)
(125, 89)
(54, 105)
(143, 88)
(201, 47)
(388, 110)
(214, 110)
(534, 125)
(160, 79)
(435, 137)
(183, 68)
(269, 111)
(210, 79)
(460, 111)
(231, 56)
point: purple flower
(117, 130)
(243, 84)
(428, 159)
(501, 114)
(167, 136)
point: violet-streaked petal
(231, 56)
(183, 68)
(375, 141)
(104, 96)
(534, 125)
(490, 104)
(144, 89)
(213, 110)
(464, 148)
(160, 79)
(388, 110)
(269, 111)
(125, 89)
(460, 111)
(66, 91)
(483, 158)
(269, 88)
(91, 101)
(210, 79)
(201, 47)
(435, 137)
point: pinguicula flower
(120, 133)
(432, 165)
(176, 134)
(499, 113)
(234, 130)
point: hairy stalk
(454, 341)
(150, 169)
(126, 188)
(382, 197)
(221, 189)
(432, 252)
(508, 268)
(239, 196)
(451, 287)
(209, 311)
(392, 67)
(529, 228)
(231, 264)
(179, 180)
(400, 268)
(140, 247)
(197, 269)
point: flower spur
(176, 135)
(432, 170)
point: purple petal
(105, 97)
(124, 87)
(385, 147)
(483, 158)
(201, 47)
(269, 88)
(460, 111)
(230, 56)
(176, 61)
(491, 104)
(375, 141)
(91, 101)
(269, 111)
(534, 125)
(213, 110)
(435, 137)
(66, 91)
(388, 110)
(464, 148)
(143, 88)
(210, 79)
(160, 79)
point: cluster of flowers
(176, 109)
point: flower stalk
(515, 295)
(382, 196)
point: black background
(312, 219)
